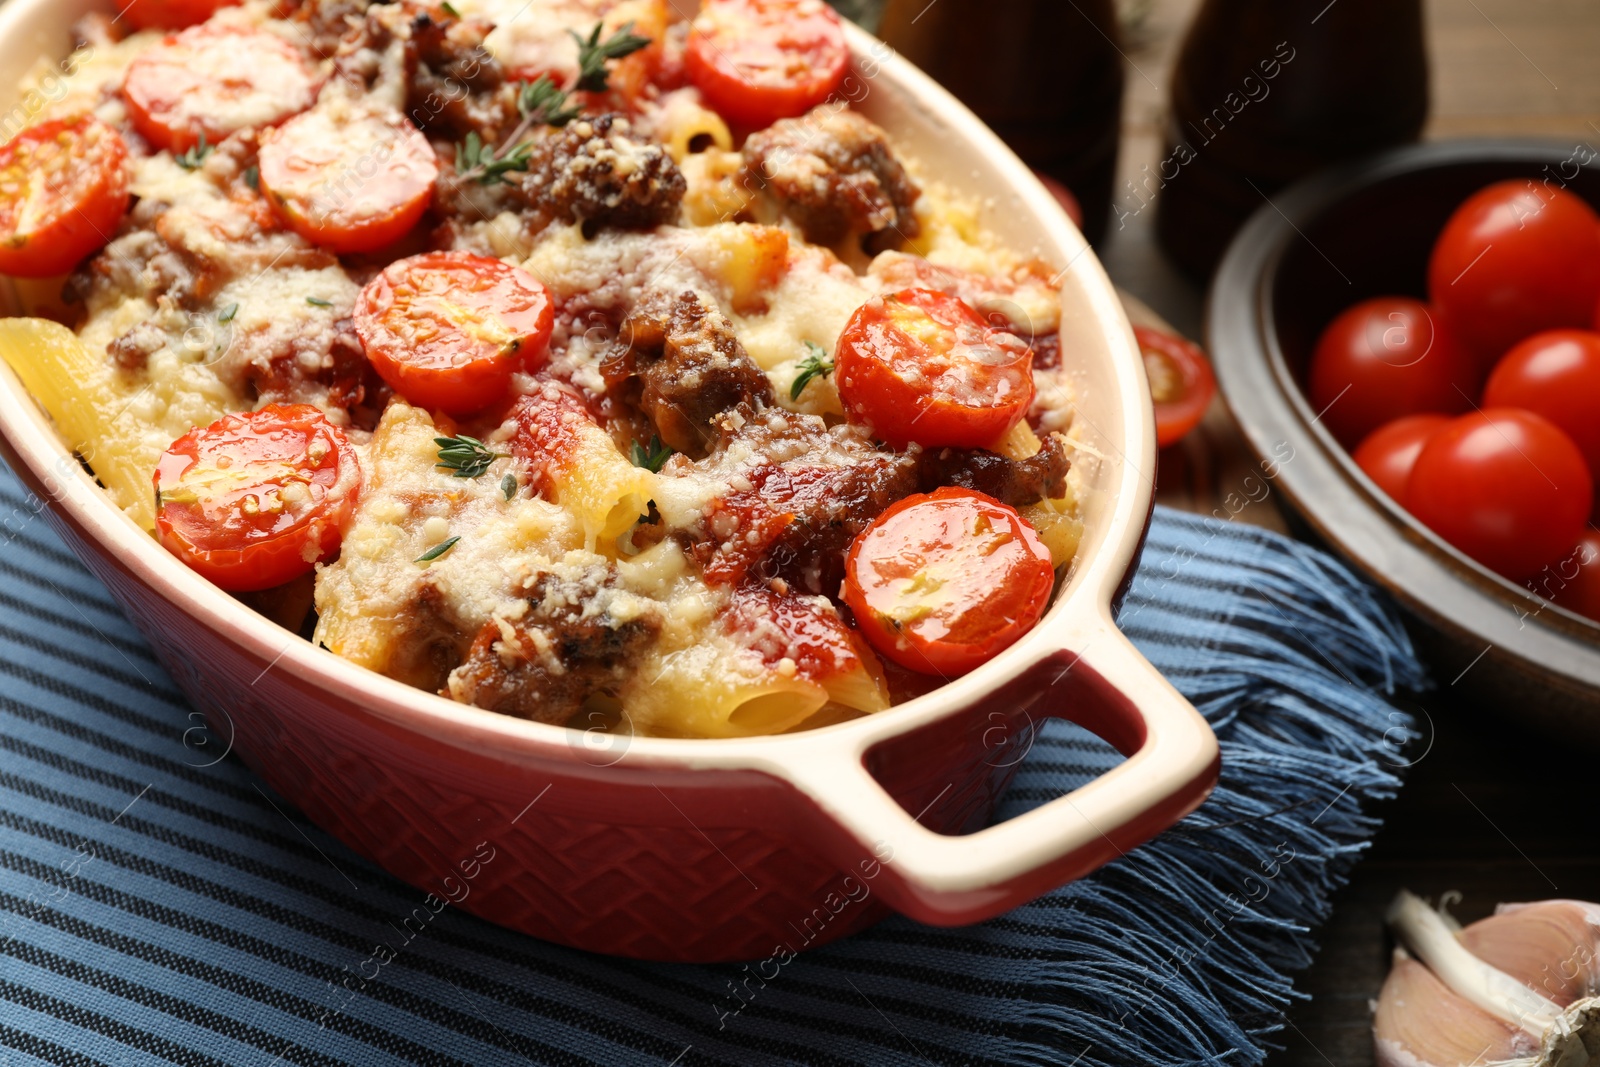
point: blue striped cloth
(158, 905)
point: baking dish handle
(1101, 682)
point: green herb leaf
(508, 486)
(194, 157)
(594, 54)
(252, 177)
(449, 9)
(437, 550)
(815, 365)
(228, 313)
(317, 301)
(542, 101)
(481, 162)
(651, 457)
(467, 456)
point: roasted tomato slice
(212, 80)
(63, 190)
(1181, 382)
(257, 499)
(348, 179)
(942, 583)
(923, 366)
(448, 329)
(758, 61)
(170, 14)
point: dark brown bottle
(1046, 75)
(1266, 91)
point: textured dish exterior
(699, 850)
(1506, 648)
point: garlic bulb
(1517, 989)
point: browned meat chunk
(598, 172)
(327, 22)
(688, 368)
(1017, 482)
(456, 86)
(835, 175)
(577, 640)
(805, 520)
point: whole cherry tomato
(1555, 374)
(922, 365)
(1506, 487)
(348, 179)
(1516, 258)
(63, 192)
(448, 329)
(758, 61)
(942, 583)
(209, 81)
(1181, 382)
(1385, 358)
(1577, 579)
(1389, 452)
(257, 499)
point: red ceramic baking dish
(716, 849)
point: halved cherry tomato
(213, 80)
(257, 499)
(1555, 374)
(169, 14)
(1506, 487)
(942, 583)
(63, 191)
(1385, 358)
(1389, 452)
(1576, 581)
(1181, 382)
(448, 329)
(348, 179)
(1516, 258)
(923, 366)
(758, 61)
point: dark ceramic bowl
(1343, 236)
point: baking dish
(702, 850)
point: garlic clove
(1551, 946)
(1421, 1023)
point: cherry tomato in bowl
(63, 192)
(348, 179)
(1505, 486)
(1181, 382)
(1517, 257)
(1386, 358)
(921, 365)
(257, 499)
(758, 61)
(941, 583)
(1576, 582)
(209, 81)
(1389, 452)
(1555, 374)
(447, 330)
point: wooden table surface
(1488, 811)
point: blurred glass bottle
(1046, 75)
(1266, 91)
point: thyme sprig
(593, 54)
(544, 103)
(195, 157)
(466, 456)
(817, 364)
(651, 457)
(438, 550)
